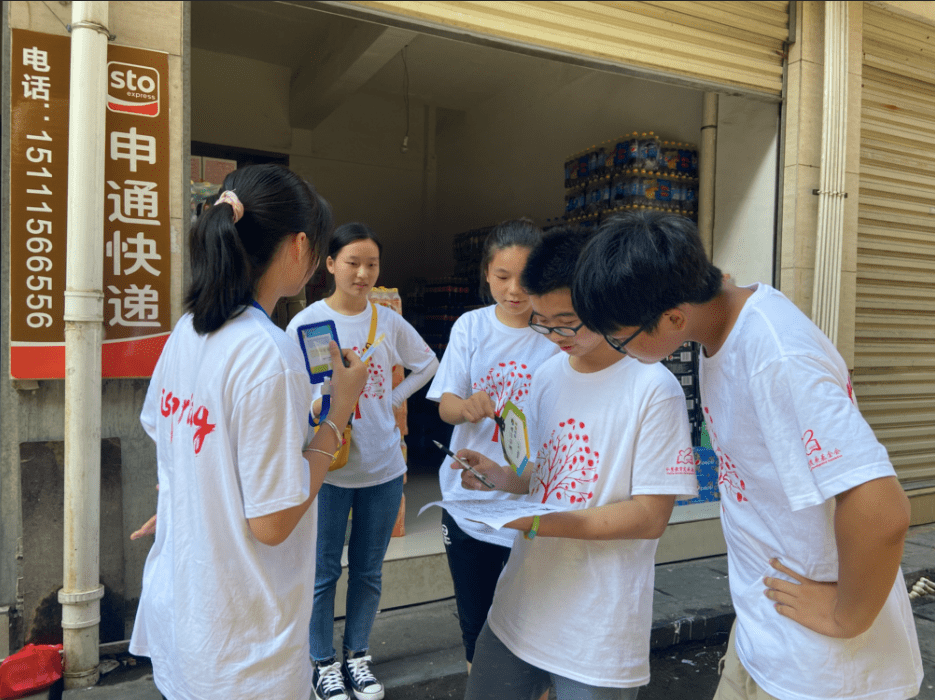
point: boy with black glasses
(812, 512)
(610, 439)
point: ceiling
(331, 55)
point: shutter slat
(894, 335)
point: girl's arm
(413, 382)
(346, 385)
(643, 517)
(454, 410)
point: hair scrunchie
(231, 198)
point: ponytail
(222, 285)
(228, 258)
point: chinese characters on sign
(136, 224)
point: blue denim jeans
(375, 511)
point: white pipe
(826, 294)
(84, 318)
(707, 167)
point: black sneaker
(327, 681)
(360, 680)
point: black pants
(475, 567)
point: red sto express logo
(132, 89)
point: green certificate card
(514, 438)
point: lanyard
(256, 304)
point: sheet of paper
(494, 514)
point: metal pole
(84, 319)
(707, 166)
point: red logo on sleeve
(684, 463)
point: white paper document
(494, 514)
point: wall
(745, 194)
(34, 411)
(802, 166)
(504, 158)
(353, 157)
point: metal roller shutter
(894, 363)
(707, 44)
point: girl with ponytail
(226, 597)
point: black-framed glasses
(621, 345)
(564, 331)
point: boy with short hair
(812, 512)
(605, 430)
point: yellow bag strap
(373, 327)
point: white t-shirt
(375, 456)
(484, 354)
(583, 609)
(780, 411)
(222, 615)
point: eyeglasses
(564, 331)
(621, 345)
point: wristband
(534, 530)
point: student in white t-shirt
(812, 512)
(611, 442)
(371, 483)
(225, 604)
(490, 358)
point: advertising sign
(136, 208)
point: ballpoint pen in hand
(369, 351)
(483, 479)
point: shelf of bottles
(635, 171)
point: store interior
(424, 137)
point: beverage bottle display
(592, 194)
(571, 172)
(670, 156)
(633, 151)
(691, 199)
(610, 155)
(618, 192)
(583, 169)
(694, 160)
(603, 203)
(649, 151)
(664, 193)
(685, 159)
(594, 157)
(650, 188)
(637, 188)
(677, 193)
(620, 152)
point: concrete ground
(417, 650)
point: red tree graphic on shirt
(729, 480)
(374, 388)
(508, 381)
(567, 466)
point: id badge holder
(514, 437)
(314, 339)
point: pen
(483, 479)
(369, 351)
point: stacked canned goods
(636, 171)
